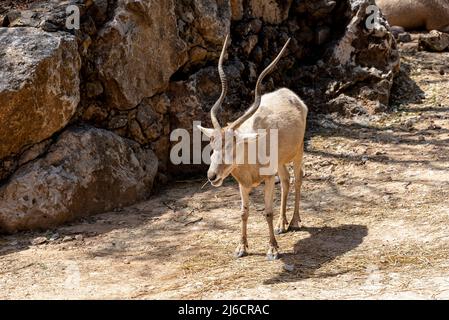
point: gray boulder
(87, 171)
(39, 86)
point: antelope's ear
(208, 132)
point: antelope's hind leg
(272, 253)
(284, 176)
(297, 168)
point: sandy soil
(375, 210)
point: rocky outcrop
(85, 171)
(39, 86)
(143, 38)
(363, 63)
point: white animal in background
(415, 14)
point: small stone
(38, 241)
(67, 239)
(404, 37)
(79, 237)
(54, 237)
(289, 267)
(341, 181)
(434, 127)
(409, 123)
(126, 261)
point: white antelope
(282, 110)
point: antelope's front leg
(241, 249)
(273, 253)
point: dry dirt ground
(375, 210)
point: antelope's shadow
(323, 245)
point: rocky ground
(375, 210)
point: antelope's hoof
(294, 228)
(279, 231)
(272, 254)
(240, 252)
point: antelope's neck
(247, 175)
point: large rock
(203, 25)
(86, 171)
(39, 86)
(435, 41)
(362, 65)
(355, 60)
(138, 51)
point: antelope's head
(224, 141)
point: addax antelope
(281, 111)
